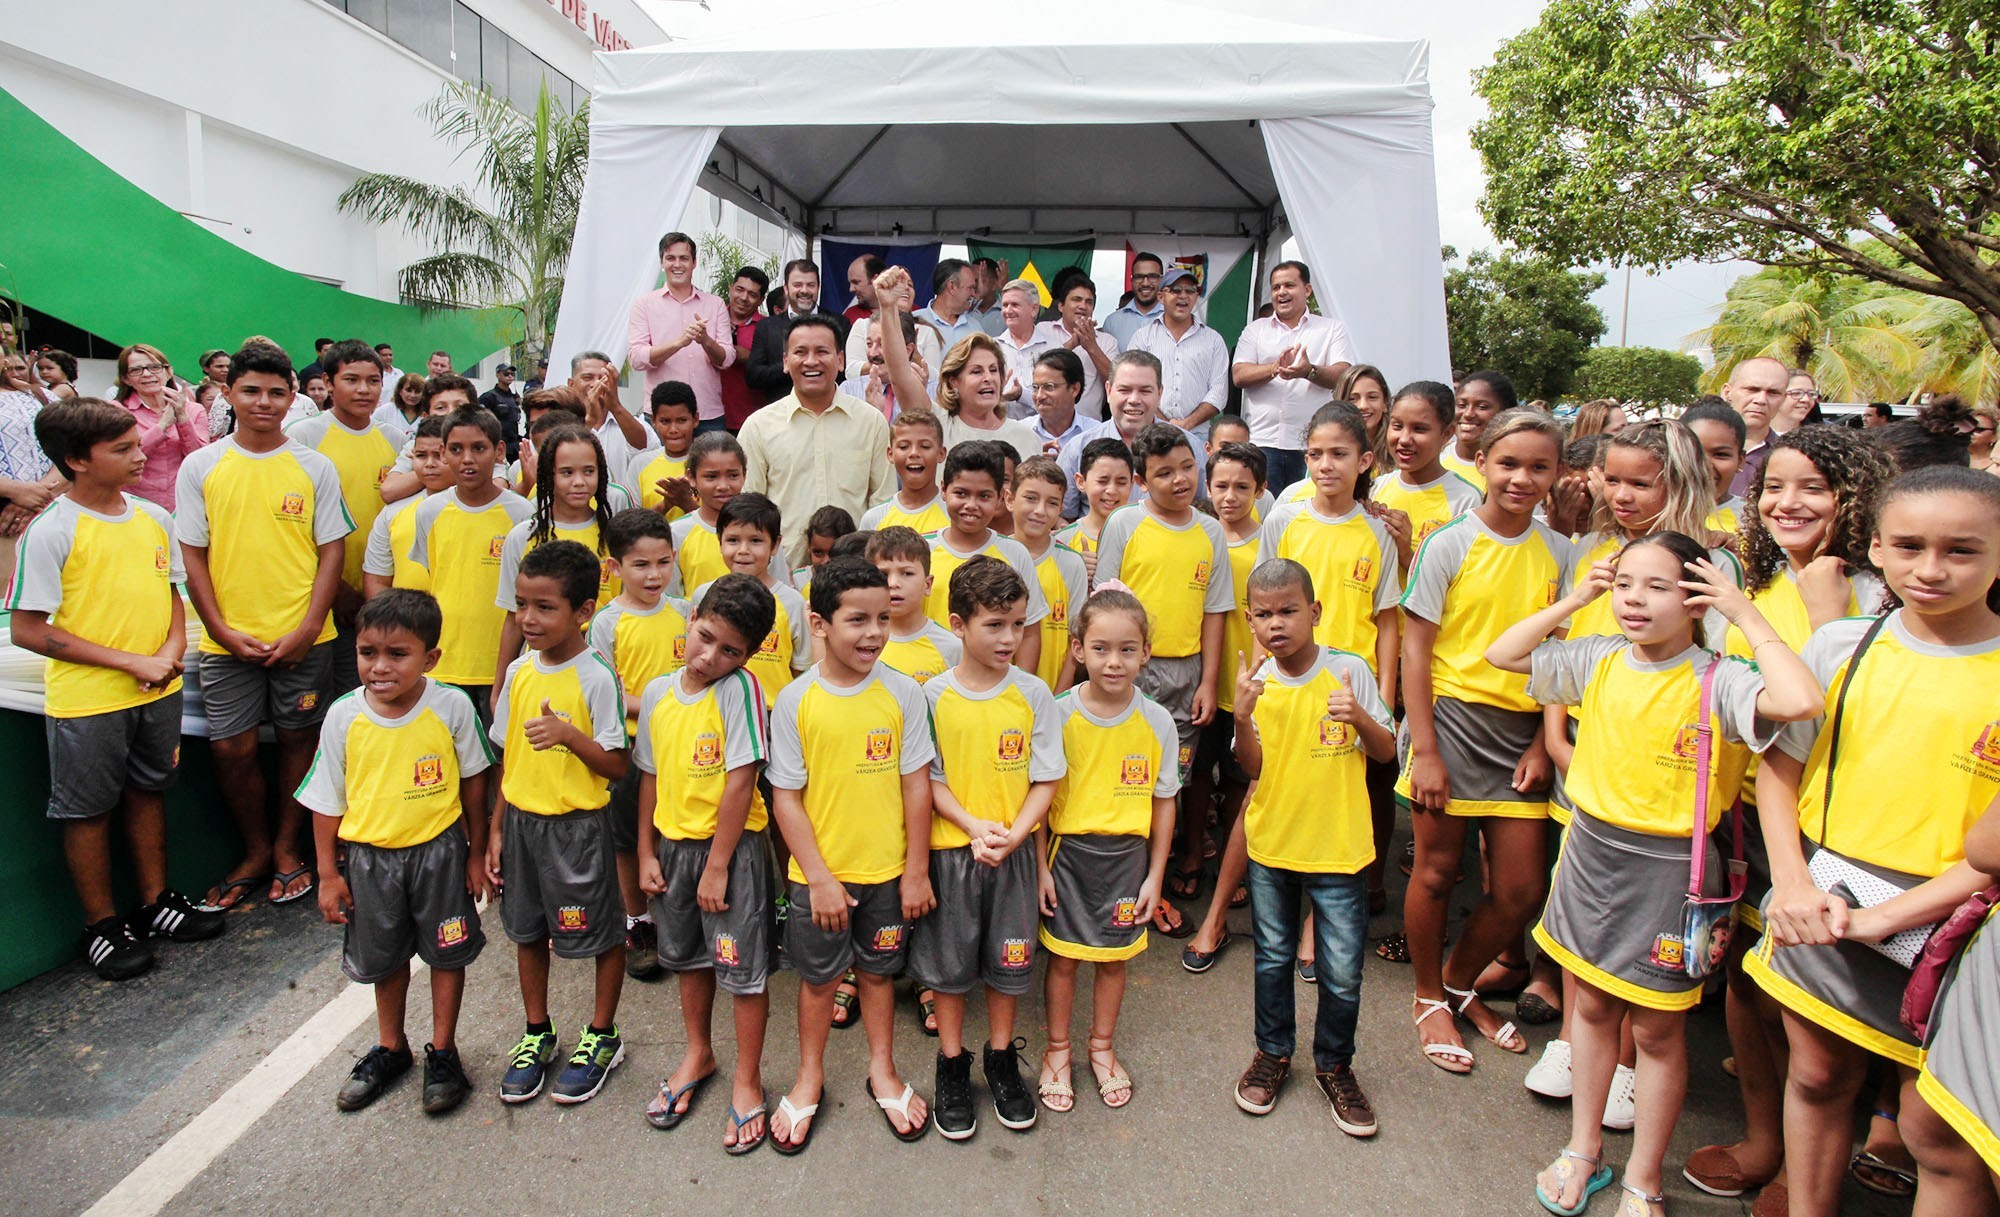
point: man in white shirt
(1194, 357)
(1056, 387)
(391, 374)
(1287, 365)
(953, 286)
(1021, 343)
(1145, 305)
(1075, 327)
(1135, 402)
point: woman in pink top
(171, 423)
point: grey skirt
(1480, 745)
(1961, 1077)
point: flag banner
(1037, 263)
(836, 256)
(1223, 267)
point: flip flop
(793, 1115)
(1902, 1181)
(1184, 884)
(285, 879)
(1201, 961)
(927, 1012)
(900, 1105)
(846, 1003)
(244, 886)
(1177, 927)
(737, 1122)
(665, 1111)
(1598, 1179)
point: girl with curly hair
(1806, 560)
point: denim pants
(1340, 930)
(1283, 466)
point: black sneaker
(1012, 1103)
(951, 1108)
(371, 1076)
(114, 952)
(175, 918)
(445, 1083)
(642, 951)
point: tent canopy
(878, 118)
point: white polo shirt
(1279, 409)
(1194, 367)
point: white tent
(1045, 118)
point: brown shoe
(1714, 1169)
(1774, 1201)
(1257, 1090)
(1351, 1109)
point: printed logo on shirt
(429, 771)
(770, 644)
(292, 505)
(1335, 734)
(1687, 742)
(726, 954)
(1425, 529)
(607, 570)
(707, 750)
(881, 742)
(160, 561)
(681, 649)
(1013, 744)
(1014, 953)
(1058, 617)
(1136, 771)
(1551, 593)
(1201, 573)
(382, 473)
(1987, 747)
(1364, 568)
(452, 932)
(494, 546)
(1124, 912)
(572, 919)
(1668, 951)
(889, 938)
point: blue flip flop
(1600, 1178)
(668, 1115)
(737, 1122)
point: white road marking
(154, 1183)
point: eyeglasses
(144, 369)
(1802, 394)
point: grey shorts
(238, 696)
(624, 809)
(1172, 682)
(561, 882)
(983, 928)
(1097, 897)
(409, 901)
(875, 941)
(95, 758)
(735, 943)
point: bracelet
(1765, 643)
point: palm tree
(1960, 359)
(1854, 336)
(507, 244)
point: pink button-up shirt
(658, 318)
(165, 449)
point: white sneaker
(1620, 1112)
(1550, 1075)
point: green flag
(1037, 264)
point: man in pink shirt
(682, 333)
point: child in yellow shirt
(916, 449)
(387, 563)
(659, 475)
(918, 647)
(750, 531)
(1036, 504)
(715, 465)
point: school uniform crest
(1125, 912)
(680, 648)
(707, 750)
(1551, 593)
(430, 771)
(452, 932)
(1687, 742)
(888, 937)
(1136, 771)
(382, 473)
(160, 561)
(1987, 746)
(308, 700)
(881, 742)
(1014, 953)
(606, 571)
(1058, 613)
(1364, 566)
(292, 505)
(494, 546)
(726, 953)
(1201, 572)
(1668, 951)
(1333, 733)
(572, 919)
(1426, 528)
(1013, 744)
(770, 644)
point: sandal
(665, 1111)
(1110, 1079)
(1506, 1036)
(900, 1106)
(1444, 1056)
(1393, 947)
(1055, 1080)
(1168, 920)
(927, 1010)
(793, 1115)
(1869, 1169)
(1408, 862)
(220, 901)
(846, 1002)
(285, 879)
(1598, 1179)
(1534, 1010)
(1240, 897)
(737, 1122)
(1635, 1203)
(1184, 884)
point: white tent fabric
(871, 117)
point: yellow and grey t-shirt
(394, 782)
(992, 745)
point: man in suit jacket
(766, 371)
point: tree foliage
(1529, 317)
(724, 255)
(505, 243)
(1786, 132)
(1644, 374)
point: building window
(458, 40)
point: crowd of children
(991, 743)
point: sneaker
(597, 1054)
(1550, 1075)
(951, 1107)
(1352, 1112)
(1012, 1104)
(642, 951)
(372, 1075)
(174, 917)
(1257, 1090)
(1620, 1109)
(114, 951)
(529, 1066)
(445, 1083)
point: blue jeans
(1283, 466)
(706, 425)
(1340, 930)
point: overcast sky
(1664, 309)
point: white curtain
(1361, 195)
(639, 184)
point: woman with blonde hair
(970, 379)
